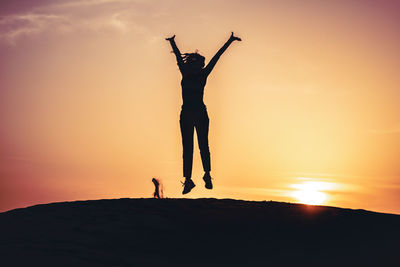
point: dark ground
(196, 232)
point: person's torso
(193, 89)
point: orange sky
(90, 100)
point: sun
(309, 192)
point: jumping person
(194, 112)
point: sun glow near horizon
(312, 192)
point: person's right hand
(170, 38)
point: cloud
(120, 16)
(86, 3)
(14, 27)
(394, 130)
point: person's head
(193, 61)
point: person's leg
(187, 128)
(202, 126)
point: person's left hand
(234, 38)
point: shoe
(207, 178)
(188, 185)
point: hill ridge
(174, 232)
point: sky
(304, 109)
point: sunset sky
(304, 109)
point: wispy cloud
(87, 3)
(394, 130)
(14, 27)
(120, 16)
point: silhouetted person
(194, 112)
(157, 189)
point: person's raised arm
(176, 51)
(214, 60)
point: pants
(190, 119)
